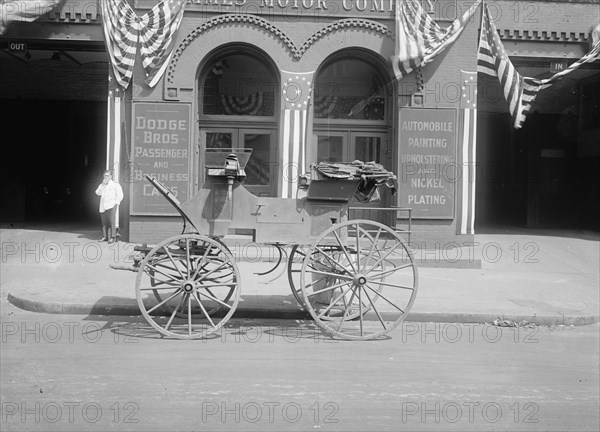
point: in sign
(17, 47)
(557, 65)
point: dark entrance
(53, 99)
(545, 174)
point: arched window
(352, 110)
(352, 115)
(238, 101)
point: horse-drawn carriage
(356, 278)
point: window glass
(349, 89)
(239, 84)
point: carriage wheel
(319, 261)
(169, 265)
(196, 282)
(370, 269)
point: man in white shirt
(111, 194)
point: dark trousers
(108, 222)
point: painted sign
(428, 169)
(161, 148)
(17, 46)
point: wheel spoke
(175, 312)
(372, 247)
(329, 288)
(173, 261)
(394, 285)
(187, 256)
(224, 263)
(335, 275)
(347, 309)
(385, 273)
(214, 299)
(199, 266)
(332, 303)
(159, 271)
(383, 297)
(164, 301)
(155, 288)
(204, 310)
(189, 315)
(388, 253)
(345, 250)
(360, 312)
(357, 249)
(332, 260)
(375, 309)
(227, 284)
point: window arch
(238, 105)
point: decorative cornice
(296, 51)
(543, 36)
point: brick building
(238, 66)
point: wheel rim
(371, 282)
(195, 283)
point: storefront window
(350, 89)
(239, 85)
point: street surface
(98, 373)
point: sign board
(17, 46)
(558, 65)
(161, 148)
(427, 165)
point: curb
(300, 314)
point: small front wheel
(195, 281)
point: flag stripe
(419, 38)
(156, 30)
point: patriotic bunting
(419, 39)
(296, 94)
(519, 92)
(156, 31)
(467, 121)
(24, 11)
(532, 86)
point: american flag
(115, 130)
(493, 60)
(119, 23)
(419, 38)
(158, 34)
(24, 10)
(297, 89)
(156, 30)
(467, 138)
(532, 86)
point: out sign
(19, 47)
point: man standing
(111, 194)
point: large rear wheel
(358, 280)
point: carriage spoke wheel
(195, 283)
(370, 285)
(320, 260)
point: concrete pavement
(543, 277)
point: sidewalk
(543, 277)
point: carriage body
(338, 269)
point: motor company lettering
(428, 162)
(295, 7)
(161, 149)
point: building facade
(247, 73)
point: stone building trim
(543, 36)
(297, 51)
